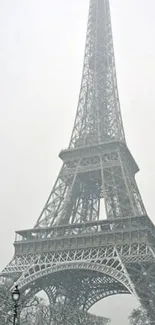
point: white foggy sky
(41, 56)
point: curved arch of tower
(71, 253)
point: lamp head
(16, 294)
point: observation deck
(92, 234)
(99, 149)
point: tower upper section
(97, 166)
(98, 118)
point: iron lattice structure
(71, 253)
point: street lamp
(15, 298)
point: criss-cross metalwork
(97, 163)
(74, 253)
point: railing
(96, 227)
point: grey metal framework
(74, 253)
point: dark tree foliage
(138, 317)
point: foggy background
(41, 56)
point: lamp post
(15, 298)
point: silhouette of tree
(138, 317)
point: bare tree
(67, 314)
(37, 312)
(27, 311)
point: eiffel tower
(76, 253)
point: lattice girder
(105, 259)
(98, 115)
(142, 273)
(72, 254)
(122, 266)
(117, 270)
(102, 172)
(84, 180)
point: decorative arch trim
(105, 269)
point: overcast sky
(41, 55)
